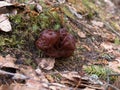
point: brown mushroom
(56, 43)
(47, 39)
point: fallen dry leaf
(35, 85)
(72, 79)
(115, 65)
(57, 86)
(107, 45)
(61, 1)
(109, 37)
(41, 85)
(32, 86)
(10, 7)
(5, 24)
(4, 87)
(74, 12)
(110, 6)
(4, 3)
(86, 47)
(10, 1)
(78, 5)
(75, 80)
(8, 62)
(38, 7)
(97, 23)
(87, 88)
(50, 78)
(46, 63)
(71, 75)
(81, 34)
(31, 73)
(116, 53)
(117, 83)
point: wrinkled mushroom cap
(47, 39)
(56, 43)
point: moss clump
(27, 26)
(100, 71)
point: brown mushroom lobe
(56, 43)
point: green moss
(115, 25)
(93, 9)
(100, 71)
(26, 28)
(67, 12)
(117, 41)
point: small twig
(108, 80)
(77, 85)
(113, 87)
(117, 74)
(114, 31)
(93, 87)
(80, 25)
(15, 75)
(4, 72)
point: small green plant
(117, 41)
(100, 71)
(10, 42)
(90, 7)
(30, 63)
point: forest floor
(95, 64)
